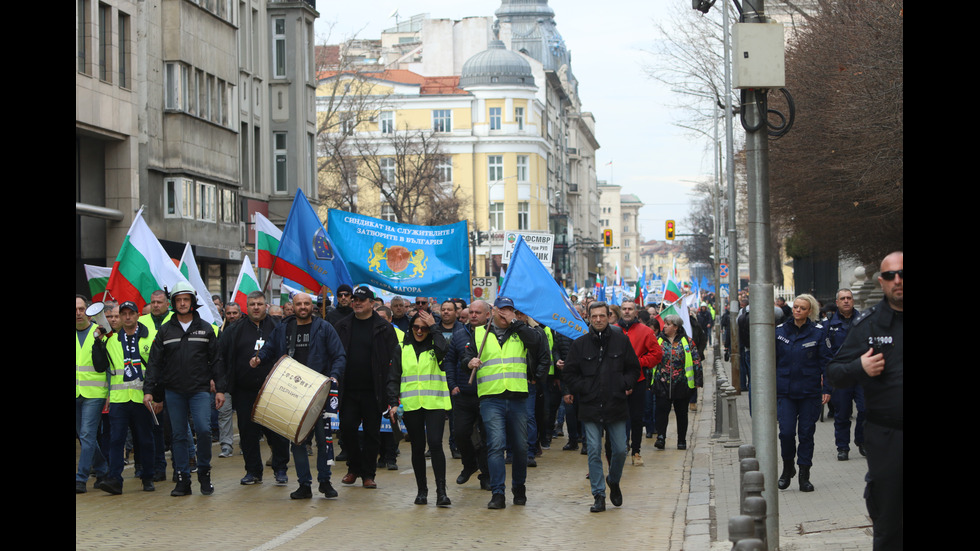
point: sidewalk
(832, 517)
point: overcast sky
(609, 41)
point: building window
(626, 242)
(175, 86)
(279, 156)
(522, 168)
(494, 118)
(442, 120)
(105, 32)
(387, 124)
(523, 215)
(80, 32)
(311, 173)
(387, 167)
(444, 170)
(229, 204)
(123, 32)
(387, 212)
(279, 47)
(495, 168)
(348, 122)
(497, 215)
(179, 199)
(519, 117)
(206, 202)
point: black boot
(423, 496)
(442, 500)
(204, 477)
(789, 471)
(183, 487)
(805, 485)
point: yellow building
(423, 150)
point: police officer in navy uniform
(841, 398)
(873, 356)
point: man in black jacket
(600, 371)
(873, 356)
(184, 364)
(371, 347)
(240, 341)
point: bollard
(746, 450)
(719, 405)
(733, 432)
(750, 544)
(740, 527)
(755, 507)
(747, 465)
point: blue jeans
(122, 415)
(88, 413)
(198, 406)
(532, 425)
(323, 436)
(649, 411)
(505, 419)
(616, 436)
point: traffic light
(607, 238)
(670, 230)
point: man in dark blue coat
(314, 343)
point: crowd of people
(173, 383)
(167, 380)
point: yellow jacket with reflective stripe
(423, 384)
(688, 360)
(119, 390)
(89, 383)
(504, 366)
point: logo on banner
(321, 246)
(399, 263)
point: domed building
(499, 97)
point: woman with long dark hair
(424, 394)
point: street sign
(723, 270)
(483, 288)
(542, 244)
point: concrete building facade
(200, 112)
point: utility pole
(761, 319)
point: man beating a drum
(314, 343)
(239, 342)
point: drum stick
(479, 351)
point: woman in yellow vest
(424, 395)
(673, 380)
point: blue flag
(403, 258)
(306, 254)
(538, 295)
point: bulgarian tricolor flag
(142, 266)
(674, 304)
(267, 237)
(247, 282)
(188, 268)
(97, 277)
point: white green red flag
(205, 306)
(97, 277)
(141, 267)
(247, 282)
(267, 237)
